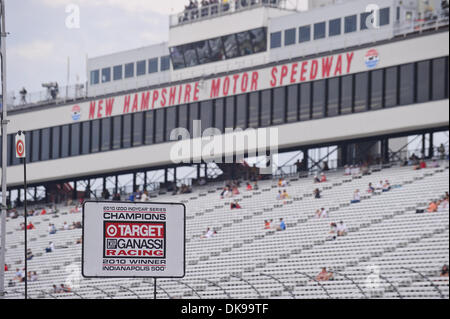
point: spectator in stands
(413, 159)
(441, 151)
(235, 205)
(341, 229)
(34, 276)
(347, 170)
(64, 288)
(209, 233)
(51, 229)
(324, 275)
(282, 182)
(50, 248)
(285, 195)
(318, 213)
(55, 290)
(144, 196)
(65, 226)
(299, 166)
(267, 224)
(432, 207)
(323, 178)
(224, 193)
(323, 213)
(356, 197)
(116, 197)
(443, 205)
(19, 275)
(444, 271)
(317, 193)
(333, 231)
(29, 254)
(325, 167)
(316, 179)
(30, 226)
(79, 241)
(255, 186)
(235, 191)
(279, 195)
(6, 267)
(249, 186)
(386, 186)
(74, 210)
(282, 225)
(434, 163)
(371, 189)
(356, 171)
(105, 194)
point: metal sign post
(4, 123)
(20, 153)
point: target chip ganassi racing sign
(124, 239)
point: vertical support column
(423, 145)
(206, 172)
(134, 182)
(305, 162)
(145, 180)
(198, 171)
(431, 146)
(166, 175)
(104, 186)
(116, 184)
(74, 192)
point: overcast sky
(39, 43)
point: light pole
(4, 123)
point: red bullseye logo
(20, 148)
(111, 230)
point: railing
(19, 100)
(215, 8)
(419, 25)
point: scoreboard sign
(125, 239)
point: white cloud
(165, 7)
(34, 50)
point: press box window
(384, 16)
(117, 72)
(140, 68)
(153, 65)
(275, 40)
(165, 63)
(95, 77)
(106, 75)
(319, 30)
(334, 27)
(304, 34)
(289, 37)
(129, 70)
(350, 24)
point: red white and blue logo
(76, 113)
(372, 58)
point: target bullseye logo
(111, 230)
(20, 146)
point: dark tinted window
(440, 79)
(231, 47)
(406, 84)
(36, 136)
(245, 43)
(361, 91)
(229, 112)
(241, 111)
(347, 94)
(171, 121)
(289, 37)
(106, 134)
(183, 119)
(56, 139)
(304, 33)
(117, 132)
(159, 125)
(206, 114)
(149, 126)
(85, 137)
(391, 87)
(45, 142)
(376, 89)
(423, 81)
(75, 139)
(350, 24)
(334, 27)
(219, 115)
(190, 55)
(319, 30)
(141, 68)
(95, 77)
(318, 109)
(106, 75)
(95, 136)
(153, 65)
(279, 106)
(259, 40)
(177, 56)
(384, 16)
(292, 103)
(117, 72)
(203, 52)
(129, 70)
(65, 134)
(217, 50)
(365, 21)
(126, 135)
(305, 101)
(333, 97)
(253, 110)
(275, 40)
(165, 63)
(266, 110)
(138, 128)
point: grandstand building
(342, 74)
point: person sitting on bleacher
(235, 190)
(386, 186)
(371, 189)
(323, 213)
(333, 231)
(421, 165)
(341, 229)
(347, 170)
(282, 225)
(279, 195)
(267, 224)
(51, 229)
(317, 193)
(249, 187)
(444, 271)
(282, 182)
(432, 208)
(50, 248)
(323, 178)
(285, 195)
(356, 197)
(209, 233)
(324, 275)
(29, 254)
(235, 205)
(30, 226)
(316, 179)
